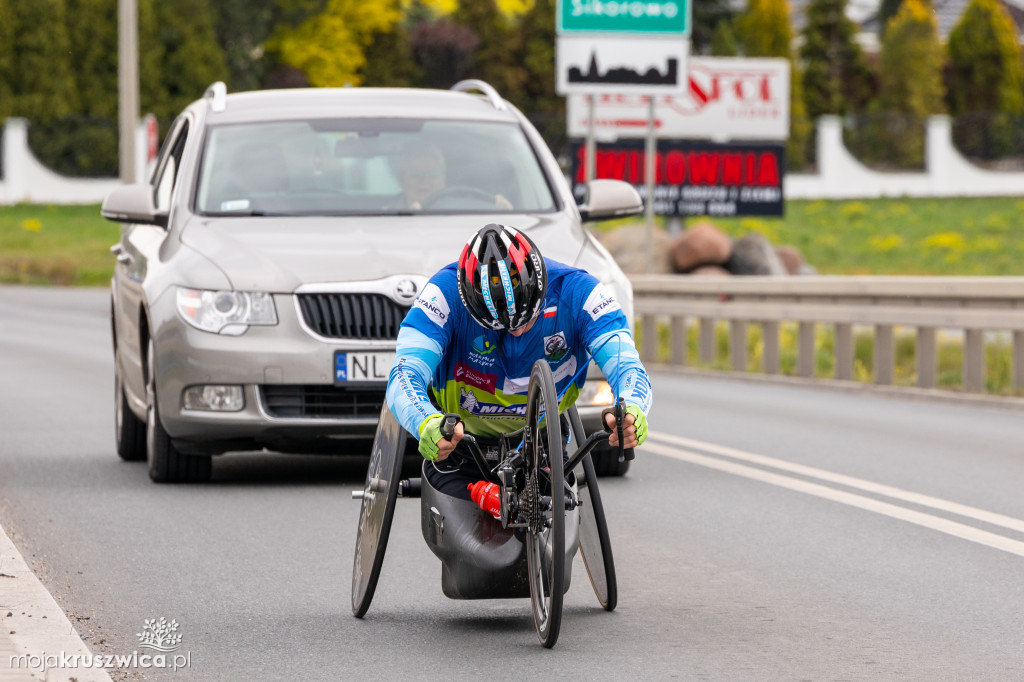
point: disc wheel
(545, 497)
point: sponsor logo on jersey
(474, 377)
(433, 304)
(555, 347)
(481, 353)
(470, 403)
(520, 384)
(600, 302)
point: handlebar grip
(620, 412)
(448, 423)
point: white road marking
(942, 525)
(849, 481)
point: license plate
(362, 366)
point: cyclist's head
(502, 278)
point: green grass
(962, 236)
(56, 245)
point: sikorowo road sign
(671, 17)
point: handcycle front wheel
(544, 503)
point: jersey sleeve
(422, 339)
(609, 340)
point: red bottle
(486, 495)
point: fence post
(649, 346)
(805, 350)
(678, 340)
(974, 360)
(1018, 360)
(738, 345)
(770, 334)
(706, 345)
(884, 354)
(925, 357)
(844, 351)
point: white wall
(26, 179)
(947, 173)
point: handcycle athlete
(475, 331)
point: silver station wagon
(263, 273)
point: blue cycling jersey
(482, 374)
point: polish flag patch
(551, 312)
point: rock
(628, 245)
(753, 254)
(700, 244)
(710, 271)
(791, 258)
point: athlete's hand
(433, 445)
(634, 427)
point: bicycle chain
(529, 503)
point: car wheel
(129, 430)
(166, 464)
(606, 461)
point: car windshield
(369, 167)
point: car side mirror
(607, 199)
(133, 204)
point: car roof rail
(218, 96)
(480, 86)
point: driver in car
(474, 333)
(421, 173)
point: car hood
(280, 254)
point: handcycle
(550, 505)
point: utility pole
(127, 85)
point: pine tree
(491, 60)
(42, 81)
(708, 18)
(986, 61)
(192, 59)
(6, 59)
(836, 77)
(92, 28)
(887, 9)
(764, 30)
(243, 26)
(724, 43)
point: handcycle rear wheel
(545, 535)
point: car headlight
(225, 312)
(596, 392)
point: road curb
(36, 625)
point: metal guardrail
(975, 305)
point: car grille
(321, 401)
(352, 316)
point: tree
(836, 78)
(986, 61)
(492, 59)
(708, 18)
(887, 9)
(6, 59)
(192, 59)
(41, 78)
(911, 84)
(724, 43)
(92, 30)
(330, 46)
(242, 27)
(442, 50)
(764, 30)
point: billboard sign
(648, 65)
(694, 178)
(626, 16)
(725, 99)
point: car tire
(129, 430)
(606, 461)
(166, 463)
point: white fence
(840, 175)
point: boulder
(628, 244)
(791, 258)
(700, 244)
(753, 254)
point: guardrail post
(805, 350)
(844, 351)
(974, 360)
(885, 354)
(706, 345)
(1018, 360)
(649, 345)
(925, 357)
(770, 334)
(678, 341)
(738, 345)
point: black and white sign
(646, 65)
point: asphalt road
(795, 534)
